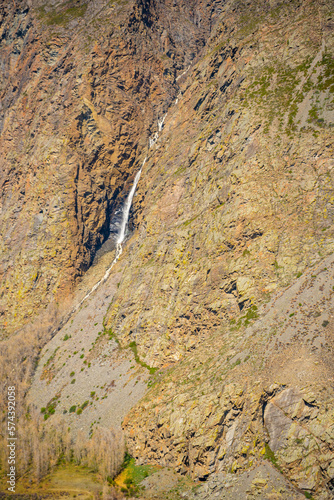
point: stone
(278, 426)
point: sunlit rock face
(224, 284)
(81, 87)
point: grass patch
(132, 346)
(60, 483)
(187, 222)
(111, 335)
(50, 407)
(180, 170)
(236, 363)
(63, 17)
(131, 475)
(270, 455)
(51, 358)
(247, 318)
(134, 349)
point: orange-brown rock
(224, 285)
(81, 86)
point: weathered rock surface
(81, 87)
(226, 284)
(265, 390)
(235, 199)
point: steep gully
(120, 224)
(128, 376)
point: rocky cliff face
(244, 210)
(225, 283)
(81, 86)
(237, 199)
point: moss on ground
(132, 475)
(63, 17)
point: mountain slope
(224, 287)
(80, 89)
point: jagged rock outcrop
(265, 390)
(236, 200)
(81, 86)
(225, 286)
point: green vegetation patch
(59, 483)
(133, 347)
(326, 77)
(50, 407)
(270, 455)
(250, 315)
(132, 475)
(51, 358)
(63, 17)
(111, 335)
(189, 221)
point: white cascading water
(161, 122)
(120, 236)
(125, 216)
(126, 208)
(180, 76)
(122, 231)
(152, 140)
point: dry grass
(41, 444)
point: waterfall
(161, 122)
(152, 140)
(126, 208)
(180, 76)
(120, 235)
(120, 222)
